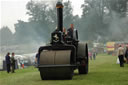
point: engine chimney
(59, 7)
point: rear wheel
(83, 68)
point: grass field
(102, 71)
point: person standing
(126, 54)
(13, 63)
(22, 62)
(94, 54)
(120, 54)
(70, 31)
(7, 58)
(90, 55)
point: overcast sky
(13, 10)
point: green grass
(102, 71)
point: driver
(70, 31)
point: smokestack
(59, 7)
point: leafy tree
(67, 14)
(37, 11)
(52, 17)
(38, 28)
(92, 19)
(119, 6)
(26, 32)
(98, 17)
(6, 36)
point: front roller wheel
(60, 73)
(42, 77)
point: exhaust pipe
(59, 7)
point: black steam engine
(64, 54)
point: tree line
(101, 21)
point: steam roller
(64, 54)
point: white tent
(1, 63)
